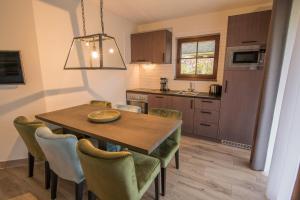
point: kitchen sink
(187, 93)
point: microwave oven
(250, 57)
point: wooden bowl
(103, 116)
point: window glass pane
(205, 66)
(189, 50)
(188, 66)
(206, 49)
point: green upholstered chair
(117, 175)
(104, 104)
(170, 147)
(26, 129)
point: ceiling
(145, 11)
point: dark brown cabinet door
(154, 47)
(158, 101)
(239, 105)
(186, 106)
(248, 29)
(141, 45)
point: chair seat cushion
(165, 152)
(146, 169)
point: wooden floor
(207, 171)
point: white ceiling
(144, 11)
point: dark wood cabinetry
(159, 101)
(186, 106)
(206, 120)
(154, 47)
(200, 117)
(239, 105)
(248, 29)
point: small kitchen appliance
(164, 84)
(215, 90)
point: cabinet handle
(249, 41)
(205, 112)
(163, 57)
(205, 101)
(192, 102)
(226, 86)
(202, 124)
(159, 97)
(141, 60)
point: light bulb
(95, 54)
(87, 44)
(111, 50)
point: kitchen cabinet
(206, 120)
(248, 29)
(186, 106)
(153, 47)
(159, 101)
(239, 105)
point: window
(197, 58)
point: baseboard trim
(13, 163)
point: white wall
(201, 24)
(57, 22)
(43, 30)
(291, 36)
(17, 33)
(286, 157)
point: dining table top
(136, 131)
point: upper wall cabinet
(248, 29)
(153, 47)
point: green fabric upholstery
(26, 129)
(116, 175)
(166, 151)
(104, 104)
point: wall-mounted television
(11, 68)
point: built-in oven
(251, 57)
(138, 99)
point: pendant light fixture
(97, 51)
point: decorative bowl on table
(103, 116)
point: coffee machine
(164, 84)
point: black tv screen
(11, 68)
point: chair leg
(47, 175)
(30, 164)
(163, 181)
(53, 185)
(91, 196)
(157, 187)
(79, 190)
(177, 159)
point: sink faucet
(191, 89)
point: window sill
(195, 79)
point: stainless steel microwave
(251, 57)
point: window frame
(199, 77)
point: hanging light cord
(101, 16)
(83, 18)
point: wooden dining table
(139, 132)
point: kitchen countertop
(173, 93)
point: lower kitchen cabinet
(200, 116)
(186, 106)
(206, 118)
(159, 101)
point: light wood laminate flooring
(208, 171)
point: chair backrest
(129, 108)
(109, 175)
(26, 129)
(60, 151)
(171, 114)
(104, 104)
